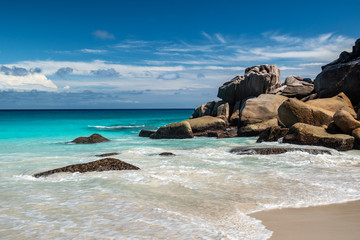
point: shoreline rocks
(106, 164)
(305, 134)
(95, 138)
(275, 150)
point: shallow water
(204, 192)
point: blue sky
(159, 54)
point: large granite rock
(260, 109)
(227, 92)
(222, 110)
(295, 86)
(294, 111)
(257, 128)
(356, 134)
(106, 164)
(305, 134)
(235, 116)
(146, 133)
(341, 75)
(340, 101)
(204, 110)
(345, 121)
(206, 123)
(272, 134)
(258, 80)
(178, 130)
(95, 138)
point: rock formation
(294, 111)
(106, 164)
(174, 130)
(275, 150)
(95, 138)
(305, 134)
(260, 109)
(206, 123)
(295, 86)
(341, 75)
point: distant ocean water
(204, 192)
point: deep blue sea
(204, 192)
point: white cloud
(104, 35)
(312, 64)
(206, 35)
(67, 87)
(95, 51)
(220, 38)
(29, 82)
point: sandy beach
(335, 221)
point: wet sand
(335, 221)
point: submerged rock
(106, 164)
(305, 134)
(107, 154)
(95, 138)
(275, 150)
(166, 154)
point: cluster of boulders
(301, 111)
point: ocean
(204, 192)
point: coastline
(334, 221)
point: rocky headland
(324, 112)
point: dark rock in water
(167, 154)
(178, 130)
(106, 154)
(146, 133)
(305, 134)
(106, 164)
(275, 150)
(95, 138)
(272, 134)
(341, 75)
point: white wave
(116, 127)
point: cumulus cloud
(106, 72)
(104, 35)
(169, 76)
(64, 71)
(27, 82)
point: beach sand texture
(329, 222)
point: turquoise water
(204, 192)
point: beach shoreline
(333, 221)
